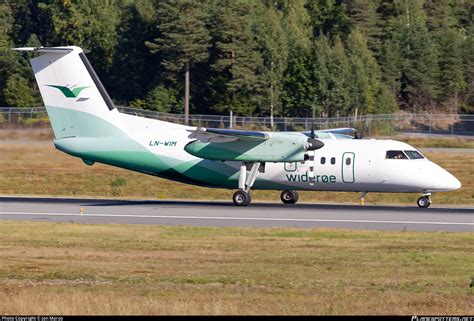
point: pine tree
(298, 96)
(183, 41)
(390, 65)
(364, 17)
(332, 76)
(299, 92)
(468, 58)
(6, 57)
(368, 93)
(420, 85)
(134, 67)
(449, 36)
(272, 43)
(328, 18)
(236, 64)
(451, 66)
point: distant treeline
(329, 57)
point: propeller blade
(313, 144)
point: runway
(194, 213)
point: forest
(299, 58)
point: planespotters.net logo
(428, 318)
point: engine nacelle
(277, 148)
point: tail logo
(69, 92)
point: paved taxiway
(195, 213)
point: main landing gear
(242, 197)
(248, 174)
(289, 197)
(424, 201)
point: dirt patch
(45, 133)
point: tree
(162, 100)
(18, 92)
(450, 37)
(183, 40)
(272, 43)
(328, 18)
(298, 96)
(451, 66)
(468, 58)
(90, 24)
(299, 93)
(6, 57)
(419, 81)
(236, 64)
(332, 76)
(368, 94)
(364, 17)
(134, 71)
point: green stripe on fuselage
(100, 141)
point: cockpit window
(413, 154)
(396, 154)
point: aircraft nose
(440, 179)
(450, 182)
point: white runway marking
(239, 218)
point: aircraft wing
(219, 135)
(338, 133)
(344, 130)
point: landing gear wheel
(423, 202)
(289, 197)
(241, 198)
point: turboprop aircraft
(87, 125)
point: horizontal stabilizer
(60, 50)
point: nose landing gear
(424, 201)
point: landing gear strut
(242, 197)
(289, 197)
(424, 201)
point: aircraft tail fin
(76, 101)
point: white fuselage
(368, 169)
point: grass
(68, 268)
(39, 169)
(436, 142)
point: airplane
(86, 124)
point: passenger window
(395, 154)
(323, 160)
(333, 160)
(348, 161)
(413, 154)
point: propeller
(312, 145)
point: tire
(296, 196)
(289, 197)
(241, 198)
(423, 202)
